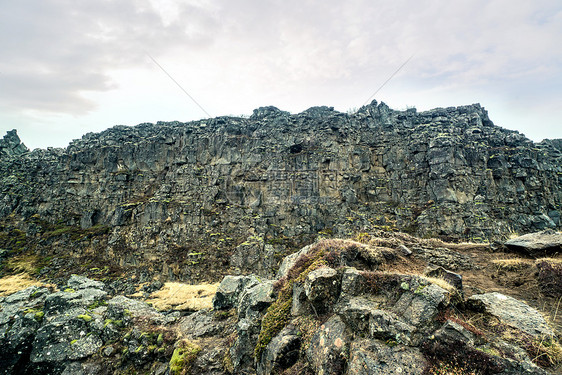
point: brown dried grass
(15, 283)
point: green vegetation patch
(183, 357)
(85, 317)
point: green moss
(97, 304)
(276, 317)
(39, 315)
(183, 357)
(117, 323)
(278, 314)
(85, 317)
(391, 343)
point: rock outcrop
(240, 193)
(336, 307)
(81, 330)
(11, 145)
(375, 322)
(538, 244)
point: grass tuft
(513, 264)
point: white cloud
(82, 65)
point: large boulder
(253, 301)
(512, 312)
(229, 290)
(537, 244)
(322, 288)
(418, 307)
(281, 352)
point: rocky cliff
(239, 193)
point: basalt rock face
(11, 145)
(175, 195)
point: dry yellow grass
(513, 264)
(441, 283)
(554, 261)
(15, 283)
(178, 296)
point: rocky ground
(382, 303)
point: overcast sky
(71, 67)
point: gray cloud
(293, 53)
(55, 50)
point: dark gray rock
(388, 326)
(254, 300)
(121, 307)
(242, 350)
(11, 145)
(329, 347)
(229, 290)
(48, 333)
(82, 282)
(199, 324)
(446, 258)
(514, 360)
(208, 362)
(65, 340)
(356, 313)
(254, 256)
(419, 306)
(300, 305)
(59, 302)
(452, 333)
(281, 353)
(352, 282)
(322, 288)
(374, 357)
